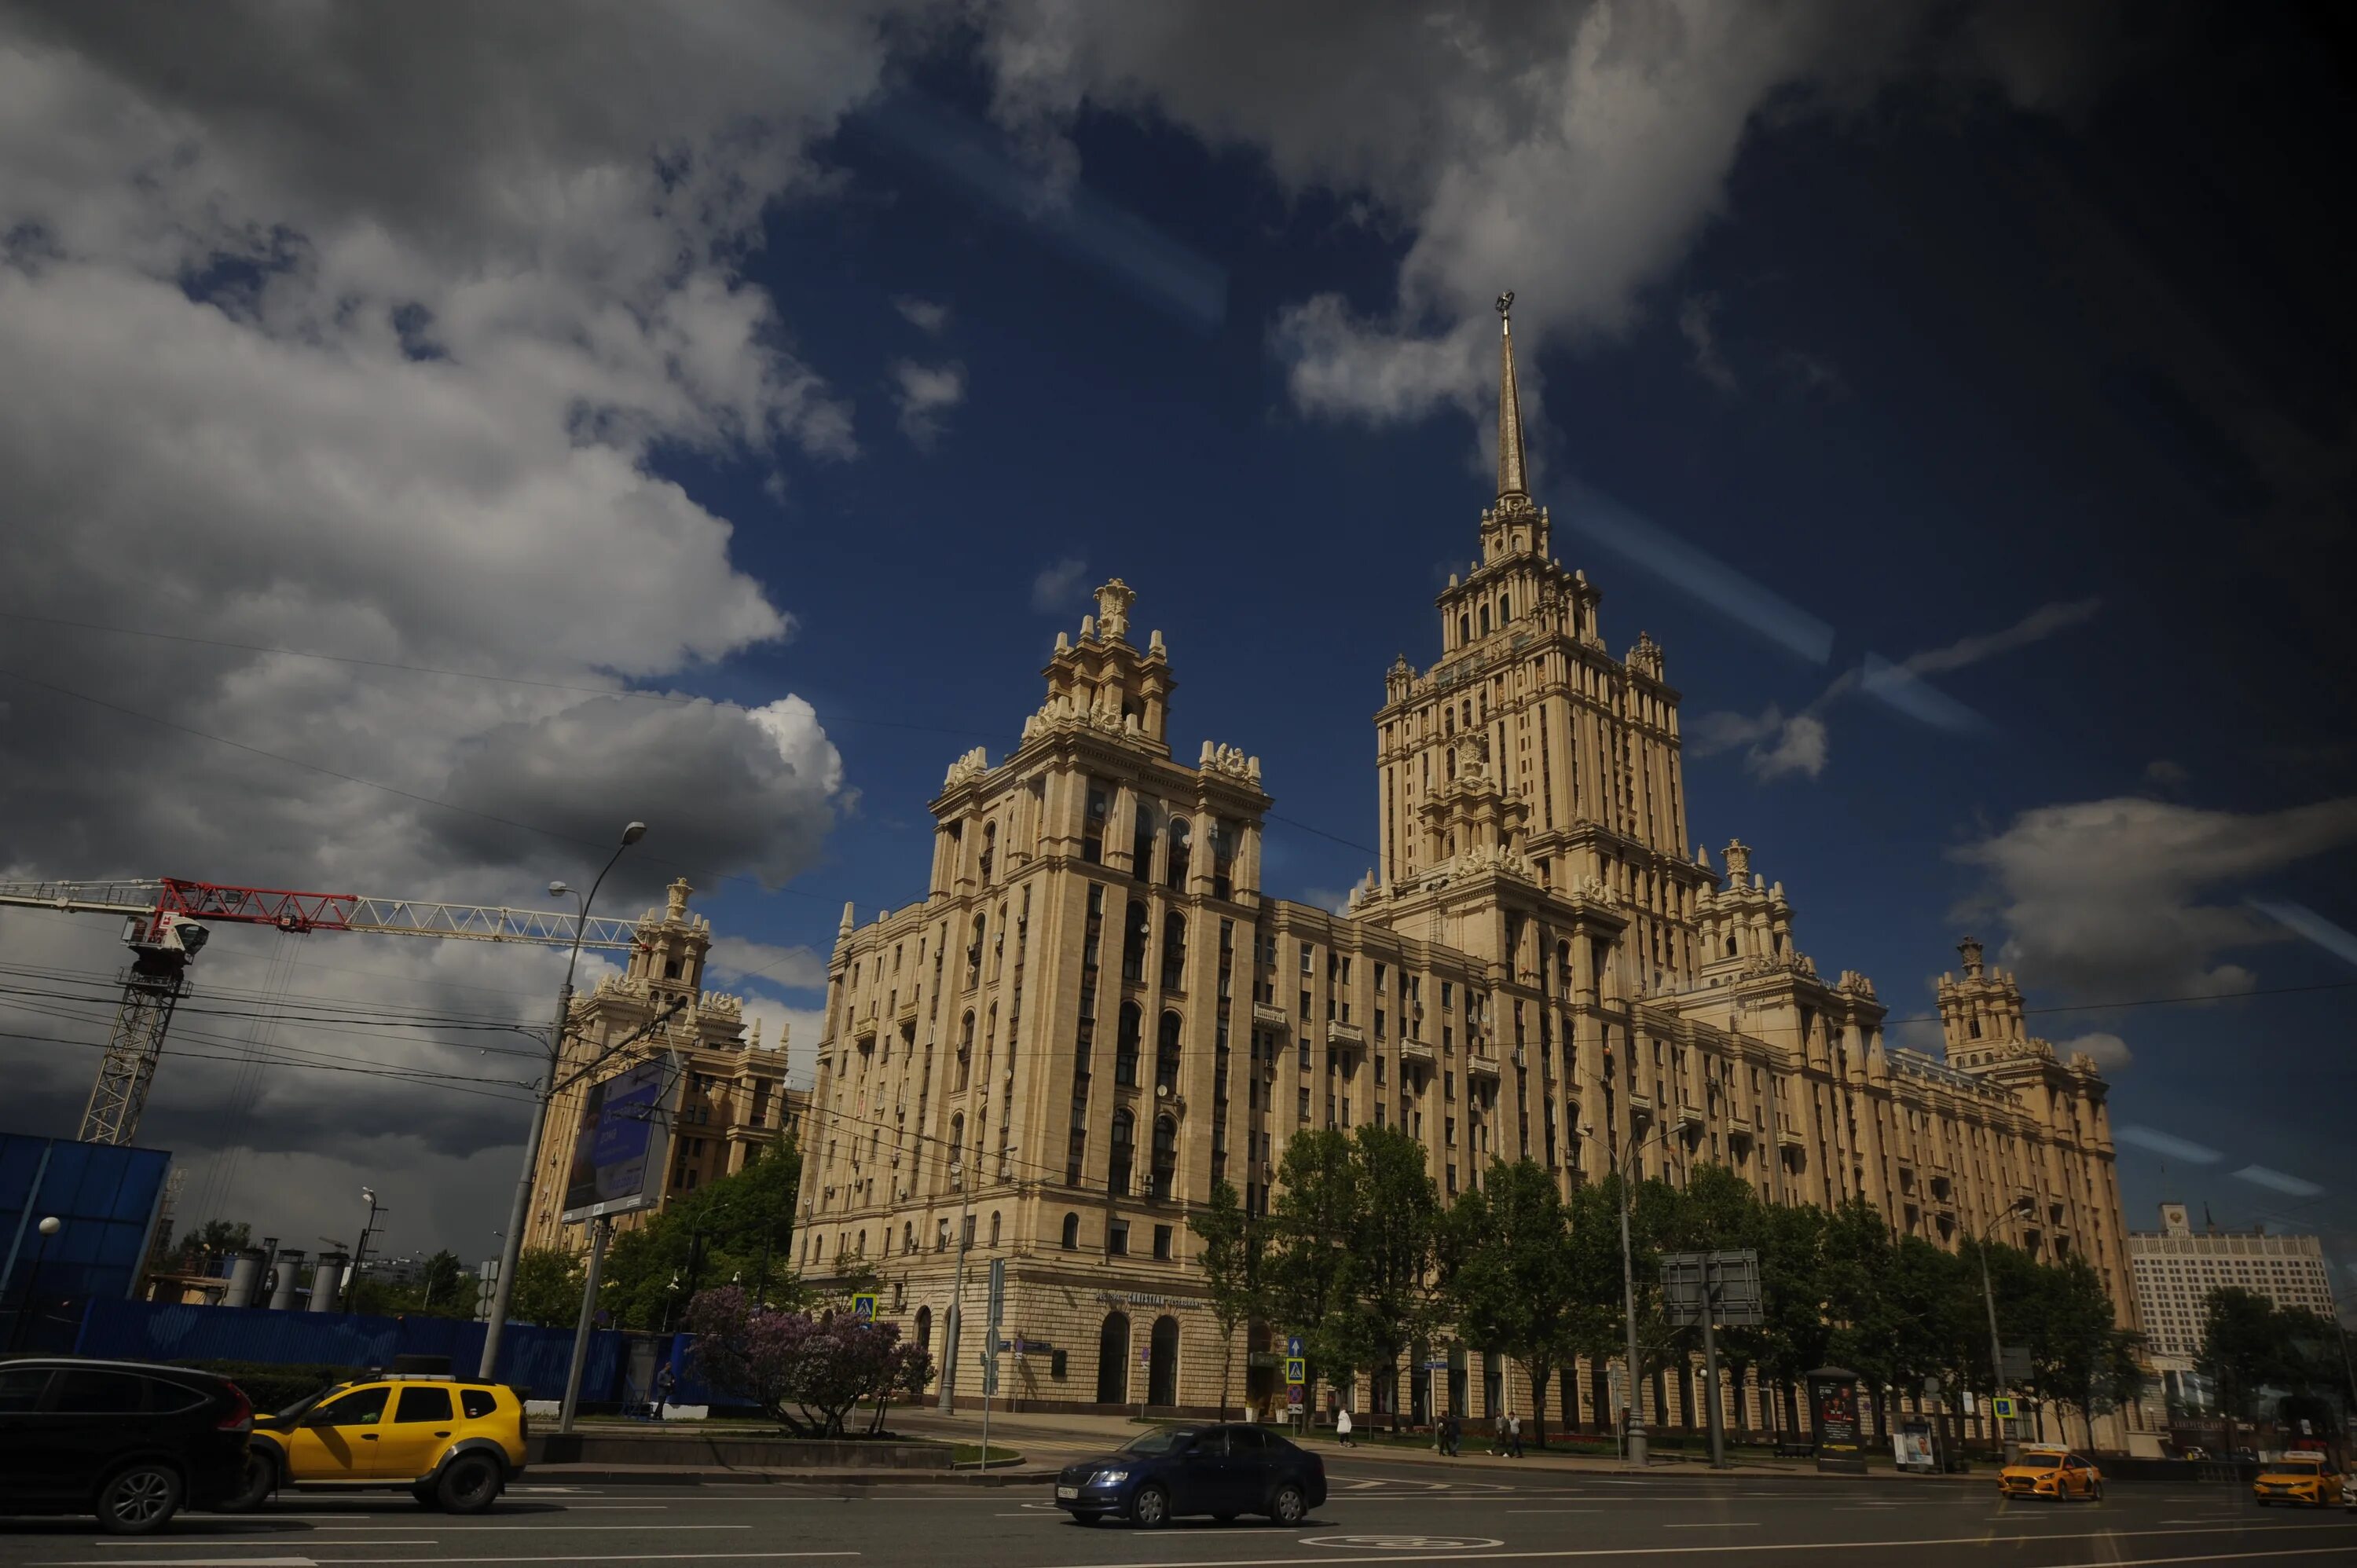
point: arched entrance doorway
(925, 1329)
(1112, 1360)
(1162, 1363)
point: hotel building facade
(1095, 1010)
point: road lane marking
(1754, 1548)
(1718, 1524)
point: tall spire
(1510, 407)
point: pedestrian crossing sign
(862, 1307)
(1297, 1371)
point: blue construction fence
(618, 1374)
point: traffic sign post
(862, 1307)
(991, 1346)
(1710, 1289)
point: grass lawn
(970, 1454)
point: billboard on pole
(624, 1140)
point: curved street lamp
(1629, 1278)
(520, 1210)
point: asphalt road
(1378, 1514)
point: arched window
(1112, 1360)
(908, 1237)
(994, 1227)
(966, 1047)
(989, 849)
(1180, 836)
(1165, 1154)
(1505, 608)
(1730, 947)
(1174, 950)
(1464, 628)
(1141, 843)
(1166, 1055)
(1162, 1363)
(1125, 1045)
(925, 1328)
(1485, 620)
(957, 1141)
(1124, 1140)
(1071, 1232)
(1135, 929)
(974, 954)
(1223, 859)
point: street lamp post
(2022, 1205)
(952, 1331)
(1628, 1284)
(368, 1194)
(511, 1245)
(50, 1225)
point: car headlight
(1108, 1477)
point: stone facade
(731, 1097)
(1094, 1012)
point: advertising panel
(1836, 1400)
(620, 1152)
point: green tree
(548, 1286)
(1392, 1255)
(1508, 1272)
(738, 1228)
(1233, 1249)
(1315, 1217)
(211, 1238)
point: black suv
(125, 1441)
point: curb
(668, 1476)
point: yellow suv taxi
(453, 1444)
(2054, 1473)
(2297, 1478)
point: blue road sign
(1292, 1345)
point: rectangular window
(1162, 1242)
(1303, 1107)
(1117, 1238)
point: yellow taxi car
(453, 1444)
(2055, 1473)
(2297, 1478)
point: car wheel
(260, 1480)
(139, 1500)
(468, 1484)
(2096, 1496)
(1150, 1509)
(1287, 1506)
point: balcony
(863, 1030)
(1481, 1065)
(1346, 1034)
(906, 1013)
(1270, 1017)
(1641, 1104)
(1690, 1115)
(1789, 1136)
(1417, 1051)
(1738, 1124)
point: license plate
(1068, 1492)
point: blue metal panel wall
(532, 1359)
(105, 1199)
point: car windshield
(1168, 1441)
(2039, 1459)
(2302, 1461)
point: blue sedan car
(1222, 1471)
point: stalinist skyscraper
(1094, 1012)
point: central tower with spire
(1528, 757)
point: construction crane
(166, 924)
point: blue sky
(1962, 407)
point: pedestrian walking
(1343, 1427)
(1515, 1436)
(661, 1393)
(1497, 1435)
